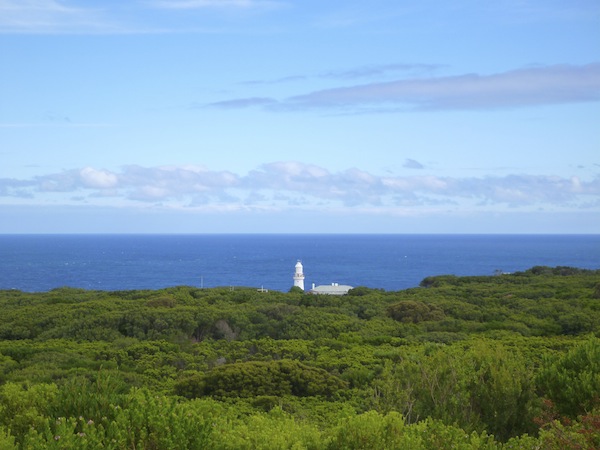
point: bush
(572, 380)
(262, 378)
(410, 311)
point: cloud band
(282, 185)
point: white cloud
(16, 188)
(173, 182)
(59, 17)
(150, 193)
(101, 179)
(285, 184)
(52, 16)
(379, 70)
(199, 4)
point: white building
(330, 289)
(327, 289)
(299, 276)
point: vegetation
(507, 361)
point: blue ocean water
(391, 262)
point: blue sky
(387, 116)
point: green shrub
(260, 378)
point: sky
(283, 116)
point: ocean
(37, 263)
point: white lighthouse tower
(299, 276)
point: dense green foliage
(508, 361)
(255, 378)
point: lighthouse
(299, 276)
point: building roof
(331, 289)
